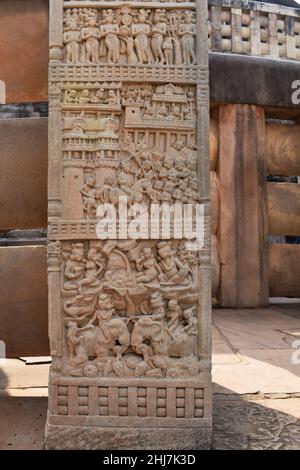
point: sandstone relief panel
(129, 317)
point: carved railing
(261, 29)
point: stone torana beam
(129, 319)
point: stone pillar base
(128, 438)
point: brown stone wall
(284, 270)
(24, 49)
(282, 149)
(284, 208)
(23, 184)
(23, 300)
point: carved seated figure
(84, 97)
(94, 266)
(157, 306)
(148, 265)
(74, 267)
(173, 271)
(71, 97)
(174, 314)
(191, 327)
(99, 96)
(112, 98)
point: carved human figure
(159, 30)
(173, 271)
(77, 129)
(72, 41)
(74, 267)
(71, 97)
(109, 30)
(94, 266)
(162, 111)
(89, 196)
(175, 113)
(174, 314)
(91, 35)
(157, 306)
(141, 32)
(131, 55)
(113, 334)
(187, 33)
(149, 110)
(84, 96)
(112, 98)
(72, 339)
(191, 327)
(99, 96)
(168, 50)
(147, 265)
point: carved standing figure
(159, 30)
(91, 35)
(72, 41)
(109, 30)
(187, 33)
(141, 32)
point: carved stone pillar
(129, 317)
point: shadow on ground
(241, 423)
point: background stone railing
(261, 29)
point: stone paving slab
(262, 371)
(22, 422)
(255, 328)
(15, 374)
(269, 424)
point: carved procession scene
(130, 36)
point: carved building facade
(129, 319)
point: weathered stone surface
(23, 300)
(23, 154)
(252, 80)
(22, 422)
(284, 208)
(242, 227)
(284, 270)
(269, 424)
(72, 437)
(24, 49)
(129, 324)
(283, 149)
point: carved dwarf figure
(89, 195)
